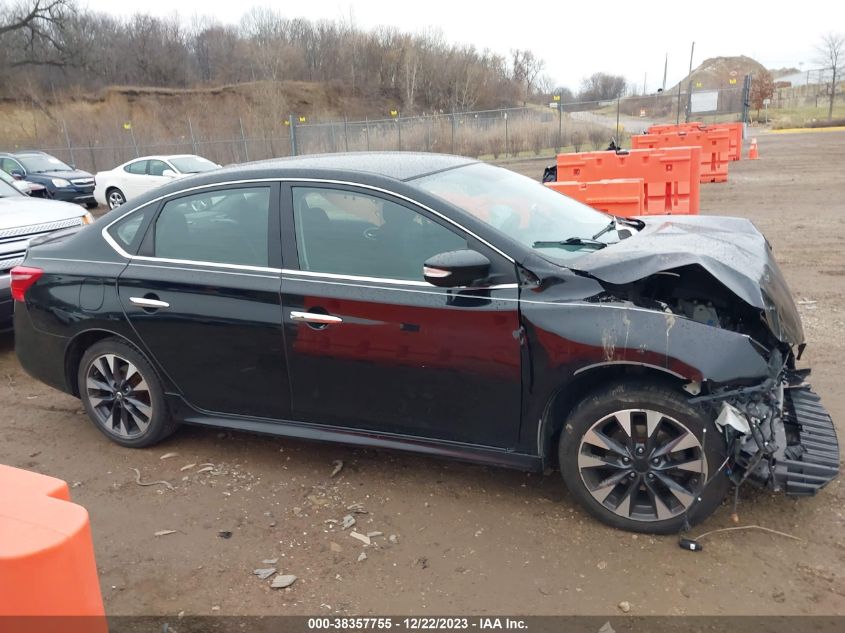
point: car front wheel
(639, 457)
(115, 197)
(122, 394)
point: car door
(130, 179)
(155, 174)
(373, 346)
(203, 297)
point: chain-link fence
(527, 131)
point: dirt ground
(468, 539)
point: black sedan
(440, 305)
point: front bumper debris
(779, 435)
(813, 462)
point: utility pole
(645, 81)
(618, 137)
(665, 70)
(69, 146)
(689, 92)
(243, 139)
(193, 138)
(292, 126)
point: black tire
(599, 411)
(135, 429)
(91, 205)
(114, 198)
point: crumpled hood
(730, 249)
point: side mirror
(17, 174)
(168, 173)
(456, 268)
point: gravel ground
(455, 538)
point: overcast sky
(574, 38)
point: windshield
(192, 164)
(522, 209)
(36, 163)
(7, 189)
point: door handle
(145, 302)
(315, 317)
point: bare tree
(32, 32)
(602, 87)
(526, 69)
(831, 54)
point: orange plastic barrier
(670, 176)
(623, 197)
(714, 144)
(735, 131)
(47, 566)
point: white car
(24, 186)
(139, 175)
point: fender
(572, 347)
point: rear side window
(138, 167)
(226, 227)
(126, 231)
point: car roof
(162, 157)
(395, 165)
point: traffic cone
(752, 151)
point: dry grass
(208, 121)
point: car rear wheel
(115, 197)
(639, 457)
(122, 394)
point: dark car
(440, 305)
(61, 181)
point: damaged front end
(777, 432)
(721, 272)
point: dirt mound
(718, 72)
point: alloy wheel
(119, 396)
(115, 199)
(642, 465)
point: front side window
(8, 165)
(138, 167)
(225, 226)
(521, 208)
(157, 168)
(351, 233)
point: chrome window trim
(432, 290)
(123, 253)
(258, 269)
(83, 261)
(386, 280)
(201, 270)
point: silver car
(21, 219)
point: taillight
(22, 278)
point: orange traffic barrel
(48, 574)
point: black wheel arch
(77, 346)
(585, 381)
